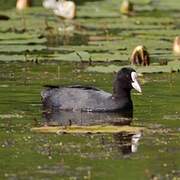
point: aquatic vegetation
(172, 66)
(111, 39)
(37, 48)
(87, 129)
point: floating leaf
(172, 66)
(87, 129)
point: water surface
(38, 56)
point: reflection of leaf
(172, 66)
(87, 129)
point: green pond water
(36, 48)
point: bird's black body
(81, 98)
(90, 99)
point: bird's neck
(120, 92)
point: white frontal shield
(135, 83)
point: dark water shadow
(65, 118)
(124, 143)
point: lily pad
(87, 129)
(173, 66)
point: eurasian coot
(91, 99)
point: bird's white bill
(135, 83)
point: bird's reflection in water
(124, 142)
(127, 143)
(64, 118)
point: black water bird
(79, 98)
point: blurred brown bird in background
(23, 4)
(140, 56)
(176, 46)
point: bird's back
(79, 98)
